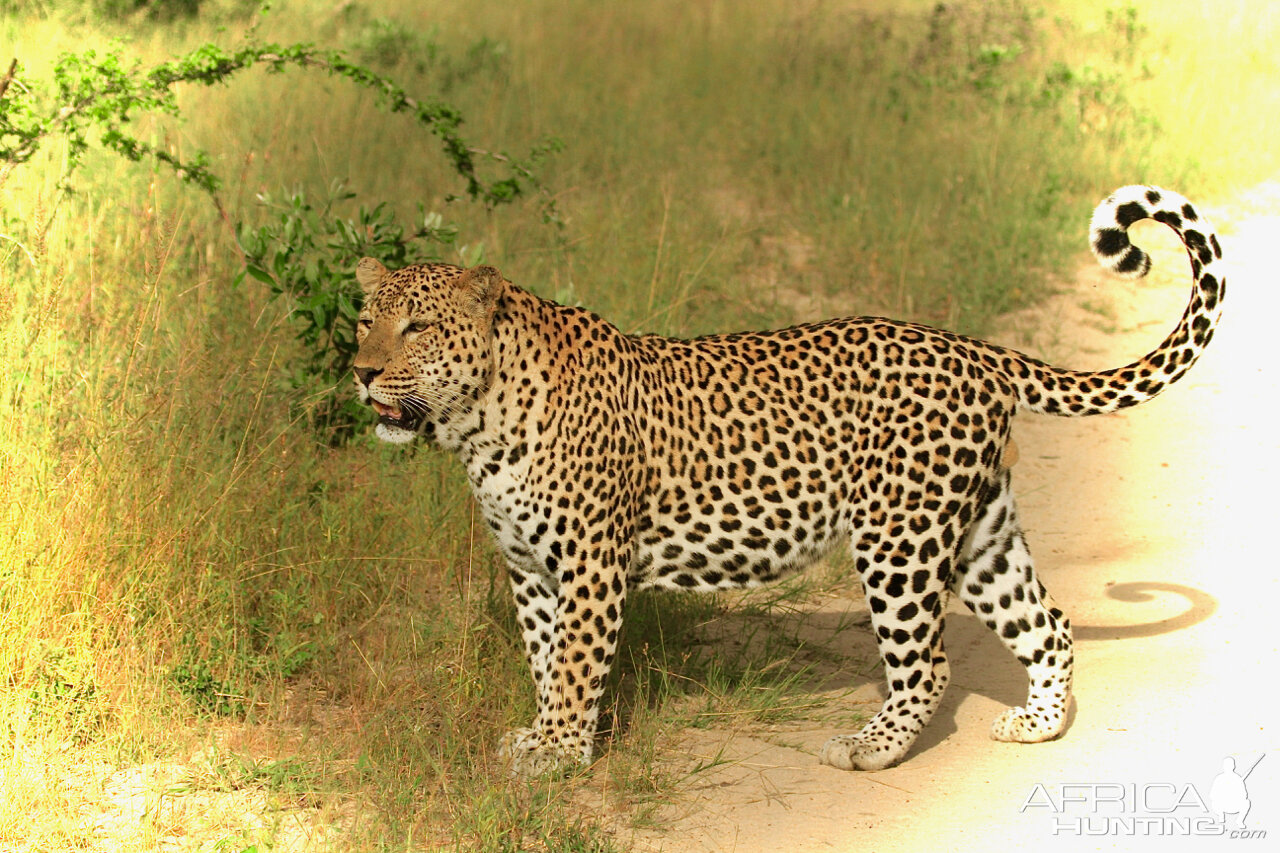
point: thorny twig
(8, 77)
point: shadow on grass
(706, 662)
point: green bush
(307, 255)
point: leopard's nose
(366, 375)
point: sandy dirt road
(1153, 529)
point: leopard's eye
(416, 326)
(364, 323)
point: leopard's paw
(1020, 725)
(528, 755)
(859, 752)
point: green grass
(189, 576)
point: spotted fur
(606, 462)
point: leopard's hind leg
(907, 617)
(995, 577)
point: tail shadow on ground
(1202, 607)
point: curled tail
(1052, 390)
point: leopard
(605, 462)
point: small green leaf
(260, 274)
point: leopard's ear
(481, 290)
(370, 272)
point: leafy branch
(106, 93)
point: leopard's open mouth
(396, 416)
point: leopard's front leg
(570, 639)
(535, 598)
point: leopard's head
(425, 343)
